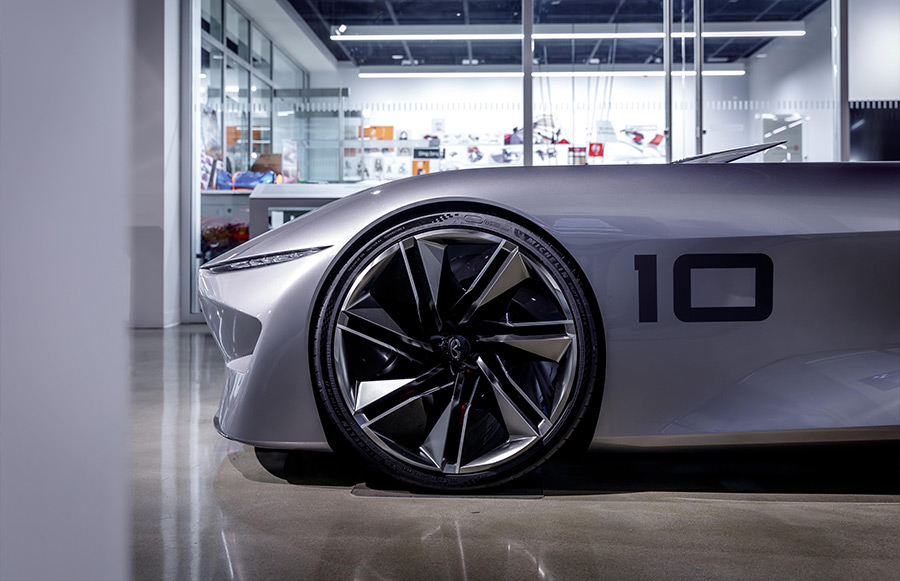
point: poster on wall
(289, 168)
(605, 132)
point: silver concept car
(456, 329)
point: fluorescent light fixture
(448, 75)
(561, 35)
(710, 73)
(752, 33)
(232, 89)
(552, 74)
(577, 74)
(202, 75)
(740, 34)
(594, 35)
(412, 37)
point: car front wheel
(456, 350)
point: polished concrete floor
(208, 508)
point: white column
(65, 139)
(156, 148)
(527, 84)
(840, 76)
(698, 72)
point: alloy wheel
(455, 350)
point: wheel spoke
(424, 262)
(444, 444)
(550, 347)
(375, 399)
(525, 329)
(375, 325)
(520, 415)
(504, 270)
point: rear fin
(730, 155)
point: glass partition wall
(435, 87)
(599, 90)
(786, 93)
(244, 130)
(443, 86)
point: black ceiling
(323, 16)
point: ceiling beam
(390, 9)
(466, 22)
(756, 19)
(327, 26)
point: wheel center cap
(457, 348)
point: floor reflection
(207, 508)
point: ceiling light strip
(746, 33)
(433, 75)
(577, 74)
(553, 74)
(593, 35)
(413, 37)
(564, 36)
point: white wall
(796, 78)
(874, 50)
(466, 105)
(65, 158)
(155, 252)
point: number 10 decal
(645, 265)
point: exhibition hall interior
(457, 289)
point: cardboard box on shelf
(377, 132)
(267, 162)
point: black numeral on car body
(645, 265)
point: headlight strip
(262, 260)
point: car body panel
(832, 232)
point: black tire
(456, 351)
